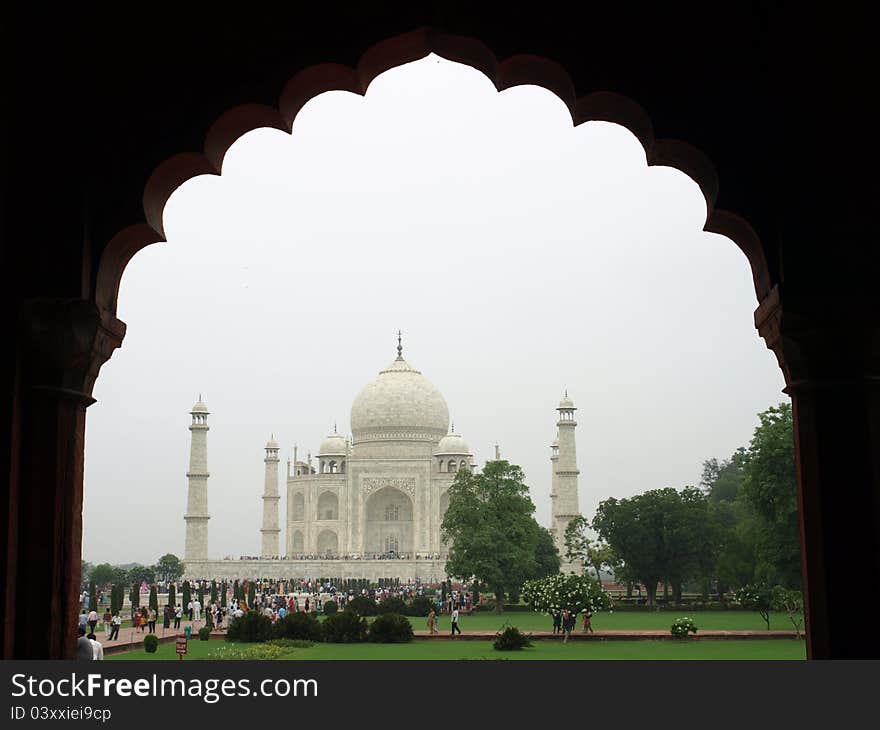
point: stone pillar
(271, 543)
(61, 346)
(196, 516)
(565, 499)
(829, 352)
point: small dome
(272, 444)
(452, 443)
(555, 444)
(333, 445)
(199, 407)
(567, 403)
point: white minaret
(197, 494)
(270, 530)
(564, 492)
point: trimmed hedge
(151, 643)
(330, 607)
(345, 627)
(204, 633)
(391, 628)
(362, 606)
(511, 639)
(391, 605)
(419, 606)
(251, 627)
(300, 625)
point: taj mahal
(370, 506)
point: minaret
(270, 530)
(197, 493)
(565, 479)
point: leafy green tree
(757, 596)
(223, 589)
(185, 596)
(213, 591)
(661, 534)
(546, 554)
(104, 574)
(93, 600)
(790, 602)
(722, 480)
(141, 574)
(579, 547)
(770, 489)
(172, 596)
(134, 596)
(154, 598)
(201, 593)
(251, 595)
(490, 527)
(85, 568)
(168, 568)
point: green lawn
(425, 649)
(529, 621)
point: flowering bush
(555, 593)
(757, 596)
(681, 627)
(238, 652)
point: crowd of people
(391, 555)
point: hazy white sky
(519, 255)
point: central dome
(400, 404)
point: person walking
(108, 618)
(178, 614)
(152, 621)
(115, 623)
(92, 620)
(588, 621)
(455, 622)
(567, 624)
(431, 629)
(190, 609)
(557, 623)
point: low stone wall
(427, 571)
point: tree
(172, 596)
(213, 591)
(185, 596)
(84, 569)
(722, 480)
(546, 554)
(661, 534)
(201, 592)
(93, 601)
(490, 526)
(104, 573)
(757, 596)
(579, 547)
(576, 593)
(141, 574)
(134, 596)
(770, 489)
(223, 589)
(251, 596)
(790, 602)
(154, 598)
(168, 568)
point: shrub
(330, 607)
(391, 628)
(345, 627)
(151, 643)
(204, 633)
(419, 606)
(291, 643)
(362, 606)
(681, 627)
(237, 652)
(511, 639)
(391, 605)
(250, 627)
(298, 625)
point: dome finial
(399, 345)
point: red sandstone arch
(516, 70)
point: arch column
(61, 346)
(829, 352)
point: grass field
(789, 649)
(645, 620)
